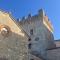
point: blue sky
(20, 8)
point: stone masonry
(40, 30)
(30, 38)
(13, 40)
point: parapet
(39, 16)
(30, 18)
(47, 23)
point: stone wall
(53, 54)
(13, 47)
(42, 38)
(33, 57)
(57, 42)
(13, 41)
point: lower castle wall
(53, 54)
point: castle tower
(40, 30)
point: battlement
(40, 16)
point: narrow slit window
(29, 46)
(31, 32)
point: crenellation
(38, 16)
(31, 19)
(23, 18)
(29, 15)
(41, 12)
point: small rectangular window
(29, 46)
(31, 32)
(29, 39)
